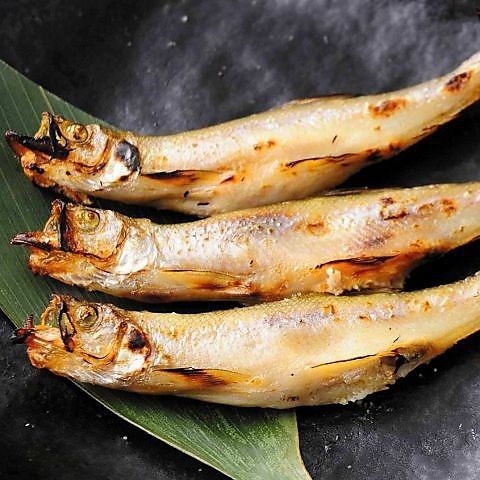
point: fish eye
(88, 220)
(86, 315)
(76, 133)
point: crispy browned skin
(286, 153)
(363, 240)
(308, 350)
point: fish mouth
(55, 315)
(48, 141)
(44, 341)
(53, 237)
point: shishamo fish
(307, 350)
(286, 153)
(363, 240)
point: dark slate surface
(168, 66)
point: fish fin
(183, 178)
(203, 377)
(402, 360)
(366, 272)
(197, 282)
(396, 362)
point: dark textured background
(168, 66)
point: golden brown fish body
(286, 153)
(308, 350)
(363, 240)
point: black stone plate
(168, 66)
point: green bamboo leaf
(242, 443)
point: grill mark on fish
(136, 340)
(426, 131)
(387, 108)
(231, 178)
(445, 205)
(316, 228)
(264, 145)
(449, 206)
(129, 155)
(387, 200)
(392, 210)
(458, 82)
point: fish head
(89, 342)
(78, 229)
(81, 245)
(72, 157)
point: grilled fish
(307, 350)
(286, 153)
(363, 240)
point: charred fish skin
(357, 241)
(286, 153)
(307, 350)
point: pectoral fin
(172, 285)
(391, 361)
(352, 378)
(368, 272)
(207, 377)
(192, 178)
